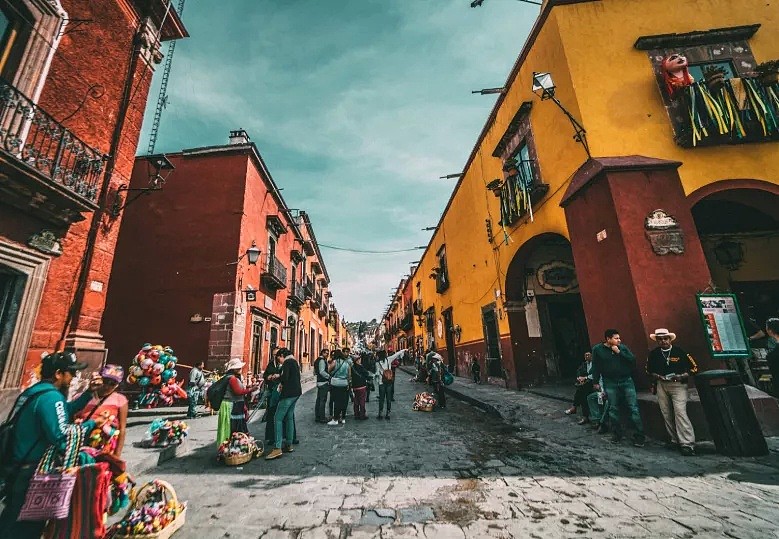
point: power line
(365, 251)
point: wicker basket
(237, 460)
(170, 494)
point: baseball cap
(62, 361)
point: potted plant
(768, 72)
(715, 77)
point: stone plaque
(664, 233)
(46, 242)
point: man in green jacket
(615, 362)
(43, 421)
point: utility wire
(363, 251)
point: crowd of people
(605, 390)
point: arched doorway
(738, 224)
(546, 318)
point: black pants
(580, 397)
(477, 378)
(270, 430)
(440, 394)
(321, 401)
(340, 398)
(386, 392)
(10, 528)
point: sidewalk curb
(482, 405)
(542, 393)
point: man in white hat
(671, 367)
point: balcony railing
(308, 288)
(408, 322)
(275, 274)
(519, 192)
(296, 294)
(47, 152)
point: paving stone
(371, 518)
(443, 531)
(343, 516)
(416, 514)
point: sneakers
(287, 449)
(583, 421)
(332, 422)
(276, 453)
(342, 422)
(687, 451)
(639, 440)
(571, 410)
(616, 439)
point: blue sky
(357, 107)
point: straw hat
(662, 332)
(234, 363)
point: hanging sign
(723, 325)
(557, 276)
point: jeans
(321, 401)
(10, 528)
(386, 391)
(622, 394)
(340, 399)
(672, 397)
(284, 422)
(193, 395)
(359, 401)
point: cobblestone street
(462, 473)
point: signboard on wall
(723, 325)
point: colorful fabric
(89, 504)
(223, 422)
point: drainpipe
(97, 216)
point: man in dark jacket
(291, 390)
(671, 367)
(322, 385)
(44, 419)
(583, 389)
(615, 362)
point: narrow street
(462, 473)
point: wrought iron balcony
(308, 288)
(323, 309)
(408, 322)
(296, 295)
(45, 168)
(275, 274)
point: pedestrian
(370, 365)
(113, 406)
(394, 360)
(360, 377)
(437, 379)
(322, 385)
(271, 376)
(598, 405)
(615, 362)
(233, 412)
(476, 371)
(195, 387)
(772, 330)
(289, 392)
(45, 422)
(340, 379)
(671, 367)
(584, 387)
(386, 378)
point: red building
(75, 76)
(186, 275)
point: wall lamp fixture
(159, 168)
(252, 254)
(544, 87)
(450, 176)
(487, 91)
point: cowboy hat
(234, 363)
(662, 332)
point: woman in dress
(233, 411)
(109, 404)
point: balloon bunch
(238, 444)
(152, 516)
(154, 370)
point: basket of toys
(162, 433)
(239, 449)
(424, 402)
(155, 514)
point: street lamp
(544, 87)
(252, 254)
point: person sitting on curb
(583, 389)
(598, 404)
(615, 362)
(42, 419)
(671, 367)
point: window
(441, 272)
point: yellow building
(547, 240)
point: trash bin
(729, 414)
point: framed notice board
(723, 325)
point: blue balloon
(164, 358)
(166, 375)
(174, 359)
(173, 373)
(143, 381)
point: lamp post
(543, 87)
(252, 254)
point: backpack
(7, 435)
(216, 393)
(387, 376)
